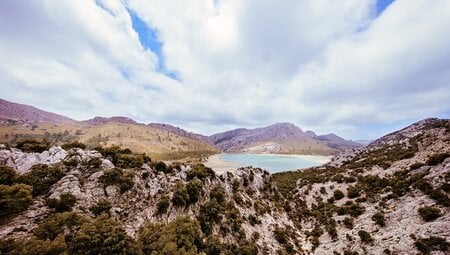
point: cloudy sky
(359, 68)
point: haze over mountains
(162, 140)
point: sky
(357, 68)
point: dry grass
(154, 142)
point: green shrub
(35, 246)
(433, 243)
(59, 223)
(280, 235)
(348, 222)
(123, 157)
(446, 187)
(71, 163)
(338, 194)
(180, 196)
(379, 219)
(41, 178)
(64, 204)
(194, 189)
(94, 163)
(218, 193)
(116, 176)
(102, 206)
(76, 144)
(365, 236)
(163, 204)
(181, 236)
(29, 145)
(352, 192)
(160, 167)
(102, 236)
(7, 175)
(201, 172)
(429, 213)
(14, 199)
(437, 158)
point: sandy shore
(219, 165)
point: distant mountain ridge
(280, 138)
(277, 138)
(19, 113)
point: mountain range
(162, 140)
(389, 197)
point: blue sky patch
(148, 37)
(381, 5)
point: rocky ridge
(370, 200)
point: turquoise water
(273, 162)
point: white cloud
(325, 65)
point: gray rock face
(139, 204)
(22, 162)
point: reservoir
(275, 162)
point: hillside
(18, 122)
(280, 138)
(139, 138)
(391, 197)
(20, 113)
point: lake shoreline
(217, 163)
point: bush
(217, 193)
(194, 189)
(59, 223)
(429, 213)
(41, 178)
(102, 206)
(348, 222)
(338, 194)
(14, 199)
(379, 219)
(437, 158)
(163, 204)
(433, 243)
(63, 204)
(161, 167)
(352, 192)
(116, 176)
(181, 236)
(180, 196)
(102, 236)
(35, 246)
(29, 145)
(7, 175)
(201, 172)
(365, 236)
(76, 144)
(280, 235)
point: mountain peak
(21, 113)
(104, 120)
